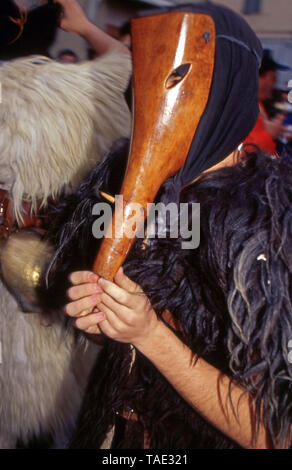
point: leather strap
(8, 223)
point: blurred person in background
(67, 56)
(267, 130)
(280, 104)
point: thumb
(125, 283)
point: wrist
(155, 333)
(84, 28)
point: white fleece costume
(56, 121)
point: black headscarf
(232, 108)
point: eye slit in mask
(177, 76)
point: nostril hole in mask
(177, 76)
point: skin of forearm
(100, 41)
(202, 386)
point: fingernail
(100, 316)
(92, 277)
(97, 288)
(101, 281)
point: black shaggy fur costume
(231, 300)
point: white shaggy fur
(56, 121)
(43, 374)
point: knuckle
(143, 301)
(92, 330)
(84, 313)
(138, 289)
(130, 321)
(123, 328)
(67, 309)
(147, 303)
(130, 325)
(124, 297)
(74, 277)
(72, 293)
(92, 301)
(77, 324)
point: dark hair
(38, 32)
(91, 54)
(125, 28)
(269, 64)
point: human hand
(119, 310)
(129, 316)
(85, 295)
(73, 19)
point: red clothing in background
(259, 135)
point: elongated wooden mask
(173, 63)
